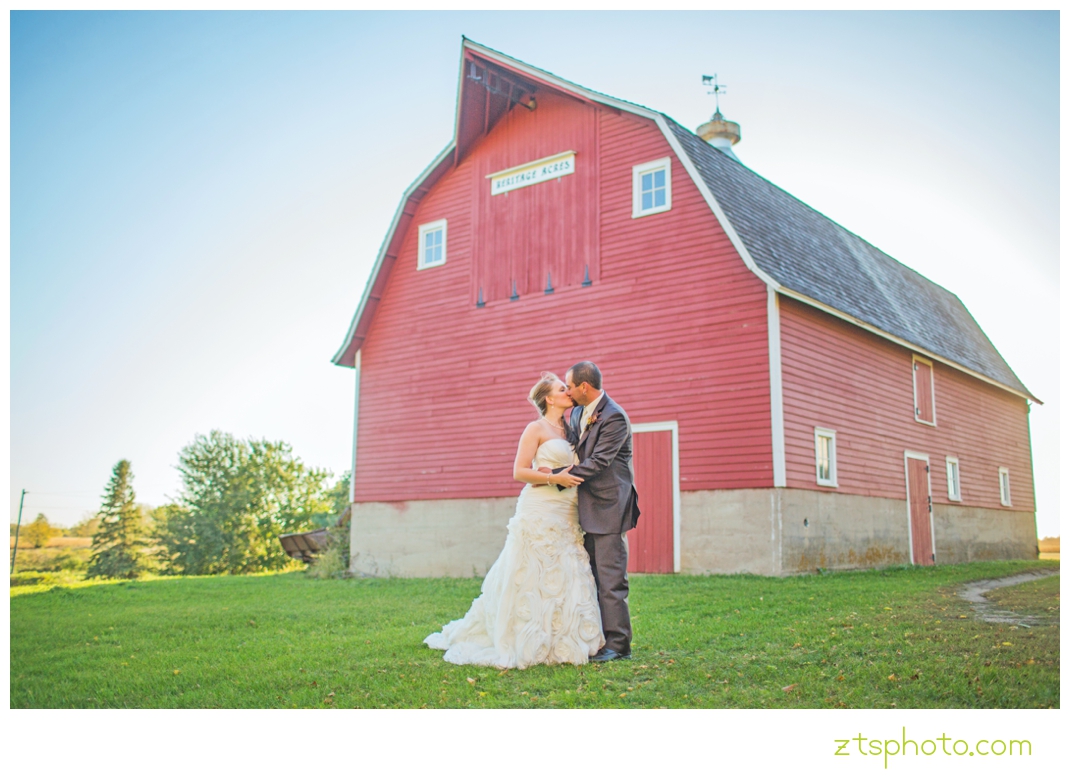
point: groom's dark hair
(586, 371)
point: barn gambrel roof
(808, 253)
(793, 248)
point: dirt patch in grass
(978, 596)
(1038, 598)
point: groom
(608, 504)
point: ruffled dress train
(538, 602)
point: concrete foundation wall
(771, 532)
(729, 531)
(838, 532)
(786, 531)
(781, 531)
(428, 537)
(964, 534)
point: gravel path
(985, 610)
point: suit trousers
(609, 562)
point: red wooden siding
(920, 507)
(925, 409)
(869, 401)
(650, 544)
(548, 228)
(674, 319)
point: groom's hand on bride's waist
(574, 481)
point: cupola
(719, 131)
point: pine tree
(120, 545)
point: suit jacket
(607, 497)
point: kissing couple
(558, 592)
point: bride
(538, 602)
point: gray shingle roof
(807, 252)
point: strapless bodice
(555, 453)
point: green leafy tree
(87, 528)
(37, 533)
(171, 523)
(237, 497)
(337, 500)
(334, 562)
(122, 542)
(339, 494)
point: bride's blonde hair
(541, 390)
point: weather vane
(716, 91)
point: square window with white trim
(1004, 487)
(825, 455)
(652, 187)
(432, 245)
(954, 482)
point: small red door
(920, 505)
(924, 404)
(650, 544)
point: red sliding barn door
(920, 505)
(650, 545)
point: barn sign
(533, 172)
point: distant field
(64, 560)
(61, 542)
(1049, 548)
(897, 638)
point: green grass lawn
(874, 639)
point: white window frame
(932, 388)
(637, 186)
(1004, 494)
(957, 493)
(674, 426)
(833, 480)
(430, 227)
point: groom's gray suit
(608, 508)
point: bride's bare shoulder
(536, 433)
(535, 429)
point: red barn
(800, 399)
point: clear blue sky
(197, 198)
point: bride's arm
(525, 454)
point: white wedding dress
(538, 602)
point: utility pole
(18, 524)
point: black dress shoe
(605, 655)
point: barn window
(825, 454)
(432, 249)
(924, 397)
(652, 187)
(954, 484)
(1004, 487)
